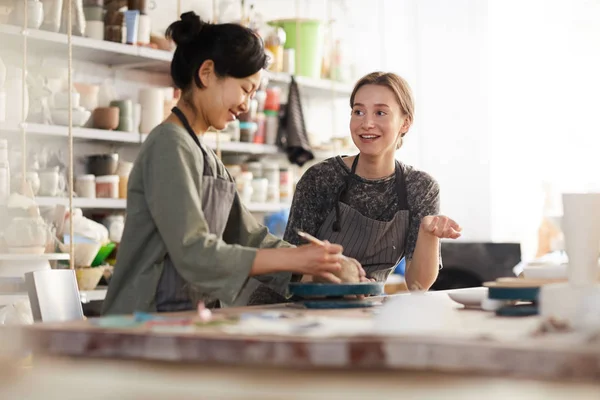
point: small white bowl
(470, 297)
(545, 271)
(80, 117)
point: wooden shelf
(122, 56)
(322, 85)
(35, 257)
(121, 204)
(245, 148)
(101, 204)
(86, 49)
(238, 147)
(85, 295)
(81, 134)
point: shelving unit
(81, 134)
(116, 55)
(100, 135)
(339, 88)
(238, 147)
(104, 204)
(122, 56)
(34, 257)
(121, 204)
(85, 295)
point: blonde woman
(379, 209)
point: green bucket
(307, 45)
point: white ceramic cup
(137, 117)
(2, 106)
(581, 229)
(144, 29)
(94, 30)
(152, 103)
(49, 183)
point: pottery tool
(313, 240)
(331, 295)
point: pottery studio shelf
(85, 295)
(124, 56)
(239, 147)
(101, 204)
(118, 137)
(121, 204)
(34, 257)
(322, 85)
(85, 49)
(79, 134)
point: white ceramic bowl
(80, 117)
(470, 297)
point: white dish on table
(470, 297)
(545, 271)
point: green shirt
(164, 215)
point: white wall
(506, 97)
(544, 105)
(440, 48)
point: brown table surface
(478, 351)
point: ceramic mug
(2, 105)
(95, 30)
(50, 182)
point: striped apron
(377, 245)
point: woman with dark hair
(188, 238)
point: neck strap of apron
(400, 191)
(184, 121)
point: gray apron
(173, 292)
(377, 245)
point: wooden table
(477, 356)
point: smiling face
(377, 122)
(225, 98)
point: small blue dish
(309, 290)
(332, 304)
(514, 293)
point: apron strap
(401, 191)
(336, 224)
(184, 121)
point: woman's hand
(347, 262)
(440, 226)
(320, 261)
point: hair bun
(187, 29)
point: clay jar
(106, 118)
